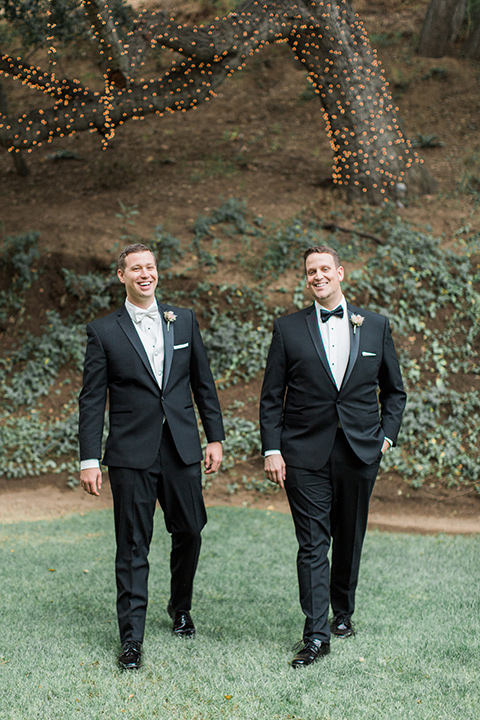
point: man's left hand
(213, 457)
(385, 446)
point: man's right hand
(275, 469)
(91, 480)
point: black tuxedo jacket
(117, 367)
(300, 406)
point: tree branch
(352, 231)
(238, 34)
(37, 79)
(119, 64)
(371, 153)
(223, 48)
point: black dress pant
(178, 489)
(330, 505)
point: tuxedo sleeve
(203, 388)
(93, 397)
(392, 396)
(273, 393)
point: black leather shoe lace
(307, 644)
(132, 645)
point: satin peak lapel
(126, 323)
(168, 343)
(354, 345)
(312, 323)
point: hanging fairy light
(344, 70)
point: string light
(370, 152)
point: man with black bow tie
(324, 430)
(148, 359)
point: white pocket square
(368, 354)
(180, 347)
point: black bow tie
(327, 314)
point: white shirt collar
(134, 311)
(342, 302)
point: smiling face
(323, 279)
(140, 278)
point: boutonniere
(170, 317)
(357, 321)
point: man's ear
(341, 273)
(120, 276)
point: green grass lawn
(415, 655)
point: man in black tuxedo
(148, 359)
(324, 429)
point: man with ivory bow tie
(324, 430)
(148, 360)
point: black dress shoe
(131, 657)
(311, 651)
(182, 623)
(342, 627)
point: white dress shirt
(335, 334)
(149, 331)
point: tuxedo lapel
(354, 345)
(312, 323)
(126, 323)
(168, 343)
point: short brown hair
(321, 249)
(136, 247)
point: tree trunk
(371, 154)
(441, 27)
(20, 165)
(472, 46)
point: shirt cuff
(272, 452)
(390, 442)
(91, 463)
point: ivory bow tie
(151, 313)
(326, 314)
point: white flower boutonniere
(357, 321)
(170, 317)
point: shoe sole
(296, 665)
(185, 635)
